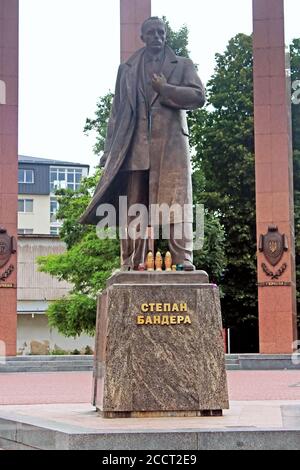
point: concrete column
(133, 14)
(274, 175)
(9, 13)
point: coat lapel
(132, 77)
(168, 67)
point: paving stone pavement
(52, 410)
(76, 387)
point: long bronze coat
(150, 136)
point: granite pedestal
(159, 347)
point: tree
(212, 257)
(99, 123)
(223, 138)
(86, 265)
(178, 40)
(295, 75)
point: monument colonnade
(273, 155)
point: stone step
(85, 363)
(77, 427)
(45, 369)
(232, 361)
(46, 365)
(50, 358)
(27, 363)
(233, 367)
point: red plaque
(7, 247)
(273, 245)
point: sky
(70, 52)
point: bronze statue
(146, 153)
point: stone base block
(159, 414)
(159, 347)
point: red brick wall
(9, 162)
(132, 14)
(274, 172)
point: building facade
(38, 236)
(35, 291)
(38, 180)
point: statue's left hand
(158, 81)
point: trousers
(134, 243)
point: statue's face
(154, 36)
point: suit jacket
(150, 136)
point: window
(65, 178)
(25, 231)
(53, 208)
(25, 205)
(26, 176)
(54, 230)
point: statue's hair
(152, 18)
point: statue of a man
(146, 153)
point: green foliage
(86, 265)
(212, 257)
(178, 40)
(73, 315)
(98, 124)
(88, 351)
(71, 206)
(56, 351)
(75, 352)
(295, 75)
(224, 180)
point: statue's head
(154, 34)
